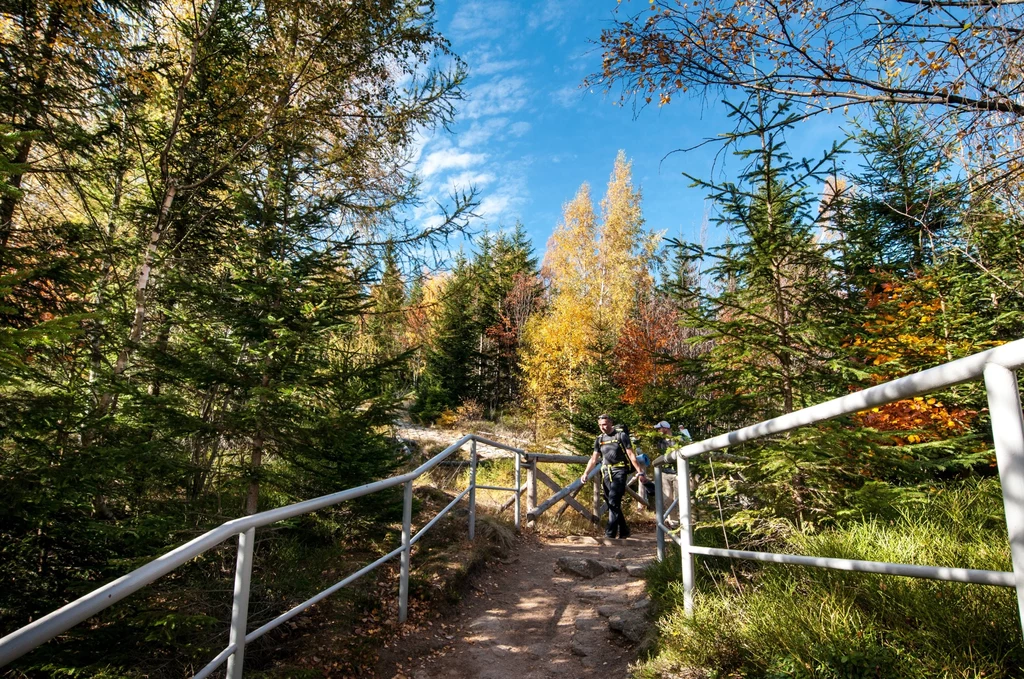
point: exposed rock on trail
(583, 567)
(558, 608)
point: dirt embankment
(441, 438)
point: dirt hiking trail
(557, 607)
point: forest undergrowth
(174, 627)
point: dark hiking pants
(614, 489)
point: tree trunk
(9, 202)
(96, 326)
(256, 459)
(109, 399)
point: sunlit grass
(791, 621)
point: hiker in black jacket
(615, 451)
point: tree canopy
(955, 60)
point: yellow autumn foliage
(597, 270)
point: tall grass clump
(792, 621)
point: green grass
(791, 621)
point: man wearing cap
(668, 479)
(615, 452)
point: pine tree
(452, 348)
(772, 314)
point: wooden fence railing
(567, 494)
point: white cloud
(449, 159)
(494, 207)
(519, 129)
(465, 181)
(480, 132)
(546, 14)
(501, 203)
(501, 191)
(567, 96)
(483, 19)
(432, 222)
(420, 140)
(423, 210)
(497, 97)
(488, 65)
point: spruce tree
(452, 349)
(771, 311)
(914, 246)
(904, 202)
(508, 288)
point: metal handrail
(996, 366)
(1010, 355)
(25, 639)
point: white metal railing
(23, 640)
(995, 366)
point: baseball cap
(663, 424)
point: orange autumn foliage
(903, 330)
(652, 333)
(905, 335)
(928, 418)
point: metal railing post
(531, 490)
(403, 581)
(659, 513)
(1008, 437)
(472, 489)
(685, 530)
(240, 602)
(519, 487)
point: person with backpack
(664, 444)
(615, 452)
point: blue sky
(527, 135)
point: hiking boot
(625, 533)
(611, 536)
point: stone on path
(581, 540)
(631, 623)
(631, 620)
(602, 596)
(581, 566)
(642, 604)
(637, 570)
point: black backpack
(620, 429)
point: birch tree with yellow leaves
(595, 268)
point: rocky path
(568, 607)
